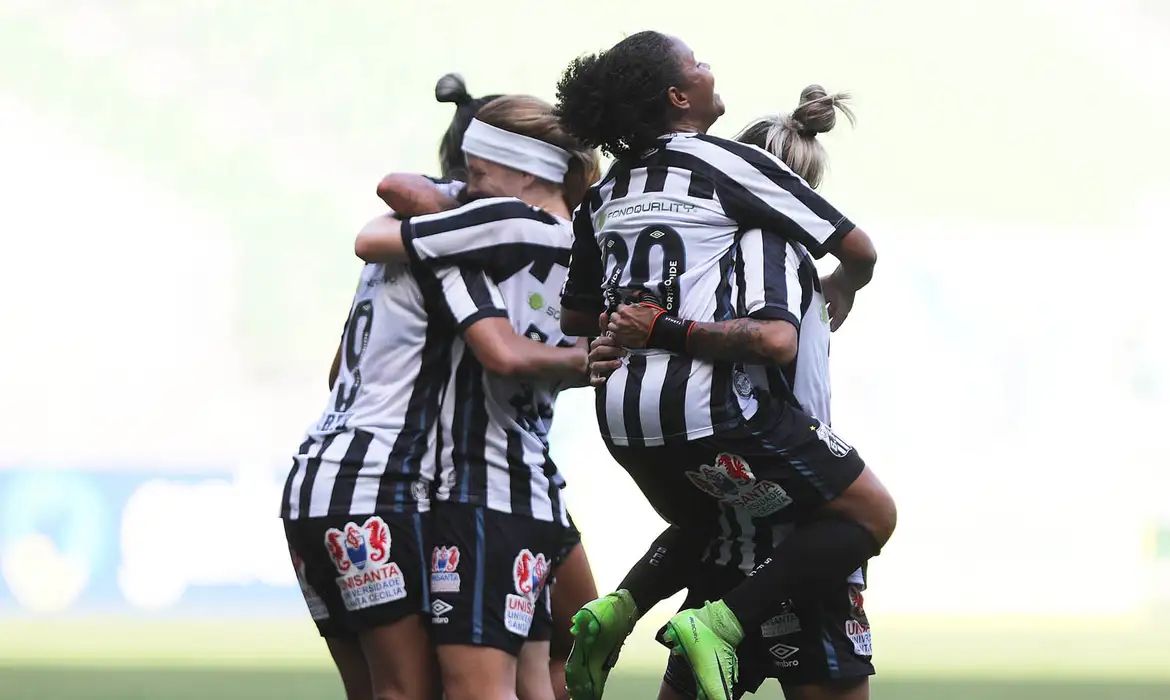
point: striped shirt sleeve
(582, 290)
(757, 190)
(771, 288)
(450, 188)
(470, 296)
(485, 232)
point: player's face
(488, 179)
(697, 97)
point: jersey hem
(696, 434)
(480, 502)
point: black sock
(664, 569)
(820, 554)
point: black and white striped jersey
(493, 439)
(372, 449)
(787, 277)
(790, 275)
(668, 222)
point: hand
(630, 324)
(838, 298)
(605, 356)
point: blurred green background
(181, 183)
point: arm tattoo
(737, 340)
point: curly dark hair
(617, 100)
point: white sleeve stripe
(780, 200)
(468, 293)
(472, 238)
(480, 224)
(768, 273)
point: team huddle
(426, 521)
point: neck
(685, 125)
(551, 201)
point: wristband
(669, 333)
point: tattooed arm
(747, 340)
(744, 340)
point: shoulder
(726, 153)
(483, 212)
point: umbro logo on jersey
(439, 610)
(783, 654)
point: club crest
(731, 481)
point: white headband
(528, 155)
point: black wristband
(669, 333)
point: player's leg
(573, 587)
(314, 573)
(371, 574)
(788, 474)
(678, 682)
(390, 620)
(533, 668)
(846, 689)
(351, 664)
(829, 655)
(471, 672)
(401, 660)
(533, 677)
(483, 610)
(601, 626)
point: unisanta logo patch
(362, 557)
(731, 481)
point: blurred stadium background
(181, 183)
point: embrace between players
(425, 519)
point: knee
(869, 504)
(464, 687)
(405, 691)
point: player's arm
(415, 195)
(380, 241)
(504, 352)
(581, 300)
(766, 331)
(335, 368)
(481, 316)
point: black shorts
(781, 474)
(360, 572)
(488, 576)
(570, 538)
(806, 642)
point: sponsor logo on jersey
(783, 655)
(439, 610)
(529, 572)
(836, 445)
(783, 624)
(857, 627)
(731, 481)
(444, 577)
(362, 557)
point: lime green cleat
(707, 637)
(599, 630)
